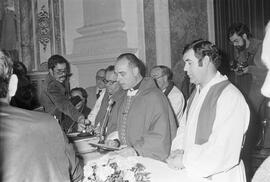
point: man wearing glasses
(113, 93)
(96, 92)
(163, 77)
(54, 96)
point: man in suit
(55, 93)
(96, 91)
(79, 100)
(33, 146)
(112, 95)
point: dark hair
(204, 48)
(134, 62)
(6, 71)
(165, 71)
(19, 69)
(57, 59)
(80, 89)
(239, 29)
(109, 68)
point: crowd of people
(204, 134)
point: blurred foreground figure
(33, 146)
(25, 96)
(263, 172)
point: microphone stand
(105, 121)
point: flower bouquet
(115, 169)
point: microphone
(105, 120)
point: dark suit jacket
(102, 110)
(104, 104)
(55, 100)
(34, 148)
(92, 97)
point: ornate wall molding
(44, 27)
(41, 31)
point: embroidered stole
(207, 113)
(123, 118)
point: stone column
(163, 43)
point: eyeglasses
(155, 78)
(60, 71)
(109, 82)
(235, 41)
(100, 78)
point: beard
(242, 47)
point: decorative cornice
(78, 60)
(101, 28)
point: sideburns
(200, 63)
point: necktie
(98, 94)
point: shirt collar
(136, 87)
(216, 79)
(132, 92)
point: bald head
(100, 77)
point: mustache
(66, 75)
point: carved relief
(44, 27)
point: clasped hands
(175, 160)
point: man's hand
(81, 127)
(175, 160)
(81, 119)
(112, 143)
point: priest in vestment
(145, 120)
(211, 132)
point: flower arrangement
(115, 169)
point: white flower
(129, 175)
(105, 167)
(88, 171)
(104, 171)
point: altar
(158, 170)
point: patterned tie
(98, 94)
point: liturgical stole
(207, 113)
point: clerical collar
(168, 89)
(136, 87)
